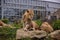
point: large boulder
(55, 35)
(31, 34)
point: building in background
(0, 10)
(15, 8)
(57, 14)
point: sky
(53, 0)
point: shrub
(5, 21)
(18, 24)
(56, 25)
(8, 33)
(39, 22)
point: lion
(4, 24)
(28, 14)
(46, 27)
(31, 25)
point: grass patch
(39, 22)
(8, 33)
(56, 25)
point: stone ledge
(31, 34)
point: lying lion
(2, 24)
(46, 27)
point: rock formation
(31, 34)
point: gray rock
(31, 34)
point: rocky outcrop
(31, 34)
(55, 35)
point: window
(0, 8)
(0, 16)
(39, 8)
(14, 5)
(49, 13)
(0, 11)
(4, 1)
(10, 1)
(33, 0)
(0, 0)
(13, 1)
(23, 6)
(7, 0)
(17, 5)
(24, 1)
(29, 6)
(16, 1)
(0, 3)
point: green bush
(56, 25)
(5, 21)
(39, 22)
(8, 33)
(18, 24)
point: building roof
(56, 1)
